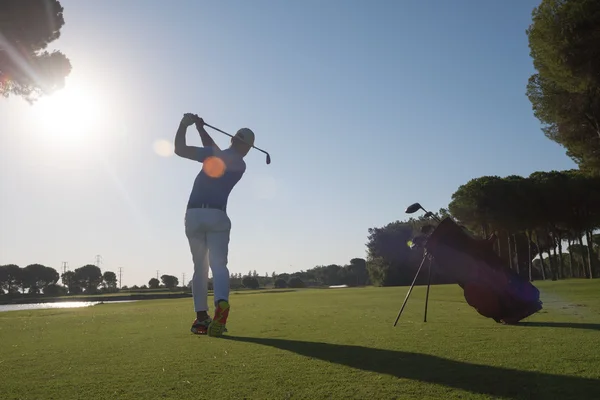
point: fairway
(308, 344)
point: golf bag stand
(426, 256)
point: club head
(268, 159)
(413, 208)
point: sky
(365, 108)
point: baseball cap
(246, 135)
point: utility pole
(183, 280)
(120, 277)
(64, 266)
(156, 274)
(98, 260)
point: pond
(58, 304)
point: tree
(565, 92)
(250, 282)
(534, 215)
(27, 69)
(11, 276)
(55, 290)
(110, 279)
(280, 283)
(88, 277)
(169, 281)
(69, 280)
(3, 278)
(390, 262)
(296, 282)
(153, 283)
(358, 268)
(37, 277)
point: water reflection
(58, 304)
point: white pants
(208, 231)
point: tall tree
(153, 283)
(69, 280)
(358, 267)
(12, 278)
(37, 277)
(169, 281)
(109, 279)
(27, 68)
(565, 92)
(89, 277)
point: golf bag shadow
(489, 286)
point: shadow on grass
(483, 379)
(258, 291)
(573, 325)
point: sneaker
(200, 327)
(217, 325)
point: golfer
(207, 225)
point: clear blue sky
(365, 108)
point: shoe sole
(196, 331)
(216, 330)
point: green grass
(308, 344)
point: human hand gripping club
(207, 141)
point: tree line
(540, 223)
(40, 279)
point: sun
(68, 117)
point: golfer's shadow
(482, 379)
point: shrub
(280, 283)
(296, 282)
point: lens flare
(214, 167)
(163, 148)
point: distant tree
(27, 69)
(3, 278)
(37, 277)
(154, 283)
(390, 262)
(358, 270)
(280, 283)
(110, 279)
(69, 280)
(296, 282)
(55, 290)
(89, 277)
(12, 278)
(169, 281)
(250, 282)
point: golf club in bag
(489, 286)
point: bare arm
(181, 147)
(207, 141)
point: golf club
(413, 208)
(217, 129)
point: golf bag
(489, 286)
